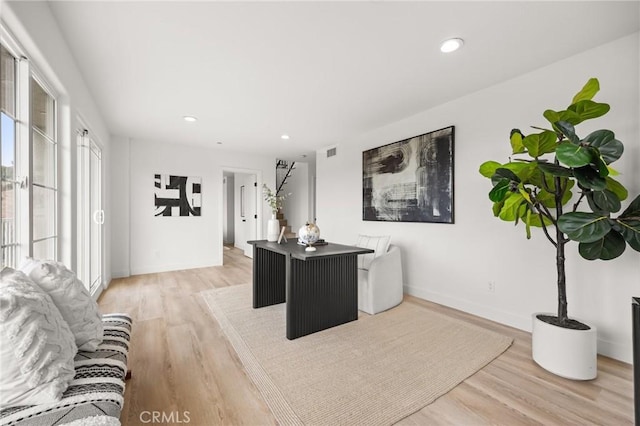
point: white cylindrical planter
(568, 353)
(273, 228)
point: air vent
(331, 152)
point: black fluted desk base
(320, 288)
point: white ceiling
(322, 72)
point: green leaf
(570, 117)
(588, 91)
(504, 173)
(598, 162)
(555, 170)
(551, 116)
(536, 220)
(573, 155)
(590, 178)
(609, 247)
(497, 207)
(633, 210)
(509, 211)
(527, 223)
(606, 201)
(609, 147)
(629, 222)
(617, 188)
(568, 131)
(488, 168)
(516, 141)
(500, 190)
(584, 227)
(524, 193)
(588, 109)
(538, 144)
(630, 230)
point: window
(43, 177)
(28, 156)
(8, 66)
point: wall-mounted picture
(410, 180)
(178, 195)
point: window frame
(24, 151)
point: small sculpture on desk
(308, 235)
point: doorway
(240, 210)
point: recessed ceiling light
(190, 118)
(285, 137)
(451, 45)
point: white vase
(273, 229)
(568, 353)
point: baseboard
(617, 351)
(120, 274)
(168, 268)
(519, 322)
(610, 349)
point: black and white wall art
(410, 180)
(178, 195)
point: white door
(90, 213)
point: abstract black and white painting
(410, 180)
(178, 195)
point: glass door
(91, 215)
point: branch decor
(274, 201)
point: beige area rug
(374, 371)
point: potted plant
(547, 171)
(275, 202)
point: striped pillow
(379, 244)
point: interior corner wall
(160, 244)
(120, 182)
(453, 264)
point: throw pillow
(71, 297)
(378, 243)
(37, 347)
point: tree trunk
(560, 243)
(562, 280)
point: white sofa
(380, 286)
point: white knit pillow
(37, 347)
(379, 244)
(71, 297)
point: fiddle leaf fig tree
(554, 167)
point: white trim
(166, 267)
(517, 321)
(10, 42)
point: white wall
(35, 29)
(170, 243)
(296, 205)
(452, 264)
(120, 201)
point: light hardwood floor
(185, 369)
